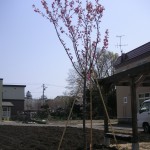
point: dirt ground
(42, 138)
(48, 138)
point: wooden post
(84, 113)
(135, 144)
(106, 128)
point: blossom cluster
(80, 23)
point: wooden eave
(122, 78)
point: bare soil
(48, 138)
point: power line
(35, 88)
(35, 84)
(56, 85)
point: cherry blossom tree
(77, 25)
(79, 22)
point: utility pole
(1, 97)
(44, 88)
(120, 43)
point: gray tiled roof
(9, 85)
(7, 104)
(134, 55)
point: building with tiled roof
(133, 58)
(139, 56)
(11, 100)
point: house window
(125, 100)
(147, 96)
(6, 112)
(142, 97)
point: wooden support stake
(106, 129)
(84, 113)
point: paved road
(97, 124)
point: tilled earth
(48, 138)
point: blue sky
(30, 53)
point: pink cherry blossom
(79, 24)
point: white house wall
(124, 100)
(16, 93)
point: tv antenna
(120, 43)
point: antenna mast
(120, 43)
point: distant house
(126, 61)
(11, 99)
